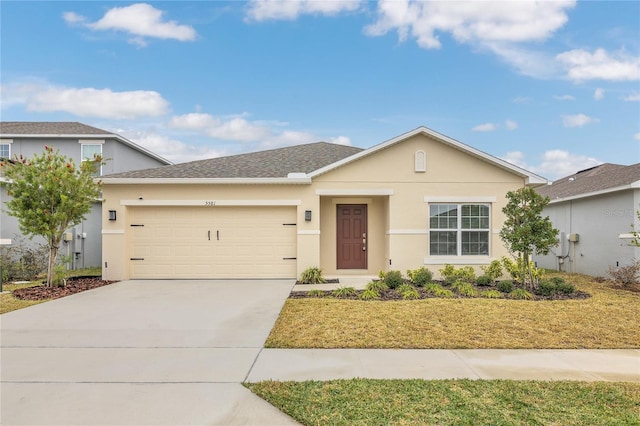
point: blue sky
(551, 86)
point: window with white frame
(459, 229)
(89, 152)
(5, 150)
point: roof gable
(532, 179)
(606, 177)
(57, 129)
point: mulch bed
(74, 285)
(388, 295)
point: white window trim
(7, 142)
(83, 143)
(459, 231)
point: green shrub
(312, 275)
(464, 289)
(493, 270)
(491, 294)
(566, 288)
(484, 280)
(547, 288)
(557, 280)
(420, 276)
(514, 268)
(505, 286)
(393, 279)
(369, 294)
(450, 274)
(23, 261)
(316, 293)
(343, 292)
(437, 290)
(407, 291)
(521, 294)
(378, 286)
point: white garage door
(212, 242)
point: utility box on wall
(574, 238)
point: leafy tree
(635, 241)
(525, 231)
(50, 194)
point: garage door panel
(219, 242)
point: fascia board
(210, 181)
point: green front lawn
(606, 320)
(454, 402)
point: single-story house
(594, 210)
(78, 141)
(419, 199)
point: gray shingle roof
(599, 178)
(48, 128)
(274, 163)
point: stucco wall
(598, 221)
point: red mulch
(74, 285)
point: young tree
(525, 231)
(49, 195)
(635, 241)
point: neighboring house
(594, 210)
(79, 142)
(421, 198)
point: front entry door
(352, 236)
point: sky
(551, 86)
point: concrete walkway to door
(140, 353)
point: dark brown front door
(352, 236)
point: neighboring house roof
(273, 163)
(57, 129)
(294, 164)
(596, 180)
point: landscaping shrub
(451, 274)
(464, 289)
(23, 261)
(420, 276)
(393, 279)
(505, 286)
(521, 294)
(344, 291)
(315, 293)
(312, 275)
(493, 270)
(484, 280)
(625, 275)
(407, 291)
(369, 294)
(378, 286)
(564, 287)
(557, 280)
(547, 288)
(491, 294)
(437, 290)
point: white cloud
(577, 120)
(87, 101)
(141, 20)
(598, 94)
(633, 97)
(511, 125)
(521, 100)
(564, 98)
(340, 140)
(468, 22)
(554, 163)
(262, 10)
(485, 127)
(637, 136)
(582, 65)
(169, 148)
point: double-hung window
(459, 229)
(5, 150)
(89, 152)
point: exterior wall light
(112, 215)
(307, 215)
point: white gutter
(207, 181)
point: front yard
(608, 319)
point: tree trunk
(53, 253)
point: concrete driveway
(140, 353)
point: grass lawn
(454, 402)
(9, 303)
(606, 320)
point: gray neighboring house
(77, 141)
(593, 210)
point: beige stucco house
(420, 199)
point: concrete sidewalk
(519, 364)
